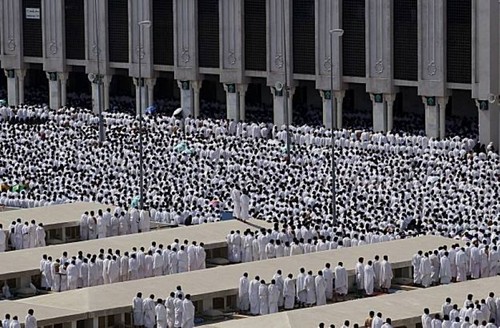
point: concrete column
(151, 89)
(242, 90)
(431, 117)
(63, 77)
(326, 96)
(389, 99)
(442, 102)
(12, 87)
(488, 122)
(95, 322)
(291, 92)
(106, 81)
(186, 97)
(339, 97)
(232, 106)
(379, 113)
(96, 83)
(142, 91)
(196, 101)
(278, 107)
(21, 73)
(54, 90)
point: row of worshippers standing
(257, 298)
(72, 272)
(22, 236)
(482, 313)
(241, 203)
(119, 223)
(442, 266)
(30, 321)
(371, 322)
(174, 311)
(374, 275)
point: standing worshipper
(434, 258)
(461, 262)
(149, 311)
(245, 206)
(30, 320)
(201, 257)
(158, 263)
(243, 296)
(138, 310)
(25, 230)
(289, 292)
(182, 260)
(236, 197)
(386, 274)
(92, 226)
(253, 294)
(426, 319)
(170, 309)
(3, 239)
(415, 262)
(161, 314)
(341, 280)
(445, 269)
(32, 234)
(40, 236)
(310, 289)
(6, 322)
(369, 278)
(72, 274)
(273, 295)
(263, 298)
(425, 270)
(475, 261)
(84, 226)
(328, 275)
(15, 322)
(178, 311)
(301, 287)
(144, 220)
(279, 283)
(114, 270)
(188, 311)
(359, 271)
(320, 285)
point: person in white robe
(32, 234)
(92, 226)
(6, 322)
(3, 239)
(243, 296)
(124, 263)
(158, 263)
(494, 261)
(63, 286)
(148, 265)
(26, 235)
(161, 314)
(169, 303)
(253, 294)
(148, 307)
(310, 289)
(461, 261)
(369, 278)
(263, 298)
(425, 270)
(359, 271)
(320, 286)
(123, 225)
(484, 254)
(133, 267)
(84, 226)
(30, 320)
(138, 310)
(273, 295)
(445, 269)
(328, 275)
(94, 274)
(14, 323)
(102, 228)
(191, 253)
(386, 274)
(301, 288)
(6, 291)
(244, 206)
(236, 197)
(84, 273)
(278, 278)
(377, 282)
(182, 260)
(475, 262)
(434, 259)
(188, 311)
(113, 271)
(341, 280)
(178, 311)
(72, 274)
(40, 236)
(289, 292)
(201, 257)
(144, 221)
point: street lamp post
(337, 32)
(142, 24)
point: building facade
(435, 50)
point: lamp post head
(337, 31)
(145, 23)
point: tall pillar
(442, 102)
(54, 90)
(291, 92)
(106, 81)
(186, 97)
(97, 92)
(389, 99)
(326, 96)
(63, 77)
(432, 117)
(151, 91)
(488, 122)
(339, 97)
(278, 107)
(242, 90)
(232, 106)
(141, 96)
(21, 73)
(379, 112)
(196, 93)
(12, 87)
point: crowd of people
(176, 310)
(86, 270)
(13, 322)
(106, 224)
(22, 236)
(256, 297)
(442, 266)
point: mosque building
(387, 57)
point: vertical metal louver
(208, 33)
(32, 28)
(163, 36)
(255, 35)
(304, 31)
(459, 41)
(353, 41)
(118, 31)
(405, 31)
(75, 29)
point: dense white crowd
(22, 236)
